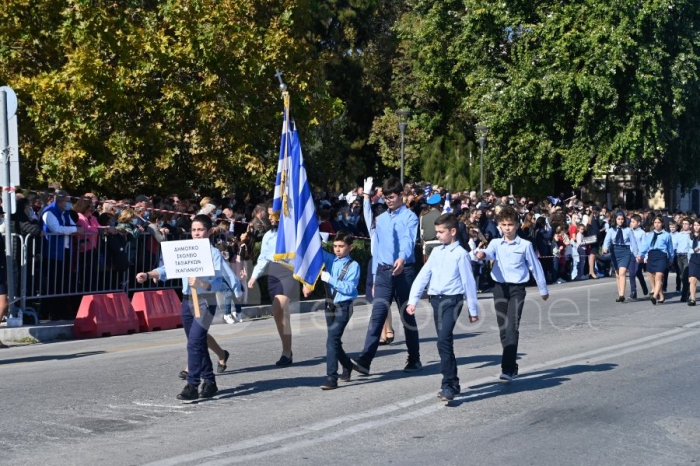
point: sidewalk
(48, 331)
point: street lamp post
(482, 131)
(403, 123)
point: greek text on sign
(187, 258)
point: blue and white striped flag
(298, 239)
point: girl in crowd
(624, 249)
(694, 261)
(658, 254)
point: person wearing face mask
(58, 228)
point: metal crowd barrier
(82, 265)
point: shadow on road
(527, 382)
(50, 357)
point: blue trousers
(446, 311)
(636, 272)
(337, 319)
(388, 289)
(199, 364)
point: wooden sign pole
(195, 300)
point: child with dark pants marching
(514, 258)
(450, 282)
(199, 365)
(341, 289)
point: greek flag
(298, 239)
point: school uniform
(280, 279)
(636, 270)
(450, 282)
(622, 246)
(395, 238)
(199, 365)
(512, 265)
(682, 244)
(694, 258)
(342, 287)
(658, 251)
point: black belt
(390, 267)
(446, 296)
(511, 284)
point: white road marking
(638, 344)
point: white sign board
(187, 258)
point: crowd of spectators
(97, 236)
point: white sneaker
(506, 377)
(228, 318)
(237, 317)
(560, 281)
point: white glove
(368, 185)
(325, 276)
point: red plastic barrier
(157, 310)
(103, 315)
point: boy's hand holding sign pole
(188, 259)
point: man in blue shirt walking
(392, 266)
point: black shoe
(222, 367)
(189, 393)
(413, 365)
(653, 300)
(345, 376)
(182, 375)
(330, 384)
(361, 366)
(633, 295)
(284, 361)
(620, 299)
(209, 389)
(691, 302)
(684, 300)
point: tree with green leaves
(144, 95)
(564, 87)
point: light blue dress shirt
(222, 272)
(639, 235)
(513, 261)
(681, 242)
(691, 251)
(628, 239)
(663, 243)
(449, 272)
(346, 288)
(267, 254)
(396, 237)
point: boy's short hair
(508, 213)
(637, 218)
(673, 223)
(204, 220)
(449, 221)
(392, 186)
(344, 236)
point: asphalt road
(601, 383)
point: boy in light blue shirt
(450, 282)
(340, 278)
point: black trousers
(446, 311)
(682, 275)
(509, 299)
